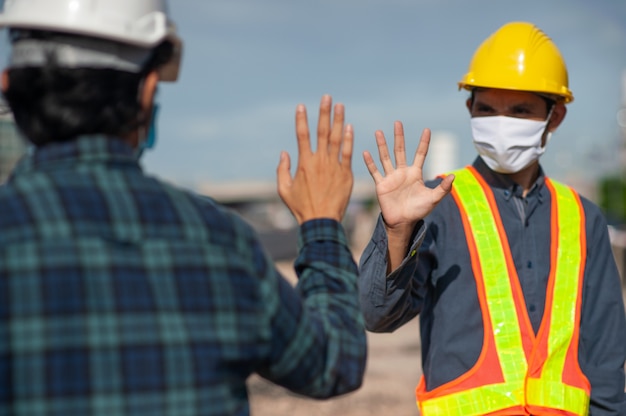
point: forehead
(506, 98)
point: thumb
(443, 188)
(283, 175)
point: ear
(468, 104)
(558, 114)
(146, 97)
(4, 81)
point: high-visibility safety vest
(518, 372)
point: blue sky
(248, 63)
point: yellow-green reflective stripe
(477, 401)
(502, 312)
(501, 305)
(557, 395)
(567, 274)
(549, 391)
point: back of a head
(77, 66)
(519, 56)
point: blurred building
(617, 232)
(621, 121)
(12, 145)
(443, 154)
(258, 203)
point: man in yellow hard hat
(512, 274)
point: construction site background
(394, 360)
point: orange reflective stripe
(530, 371)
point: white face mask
(508, 144)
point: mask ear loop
(152, 130)
(147, 139)
(548, 134)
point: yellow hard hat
(519, 56)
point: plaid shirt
(122, 295)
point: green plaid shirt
(122, 295)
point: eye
(524, 111)
(482, 110)
(521, 112)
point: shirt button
(532, 308)
(506, 193)
(530, 265)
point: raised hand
(322, 184)
(403, 197)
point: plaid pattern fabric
(122, 295)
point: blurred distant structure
(443, 154)
(12, 144)
(613, 193)
(621, 120)
(259, 204)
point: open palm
(403, 197)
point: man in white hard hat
(122, 295)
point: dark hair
(54, 104)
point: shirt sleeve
(317, 344)
(602, 348)
(388, 301)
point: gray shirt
(438, 284)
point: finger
(399, 149)
(371, 167)
(302, 131)
(383, 152)
(336, 134)
(446, 183)
(283, 175)
(422, 149)
(323, 123)
(347, 146)
(442, 189)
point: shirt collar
(91, 149)
(506, 184)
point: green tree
(613, 198)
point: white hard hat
(139, 23)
